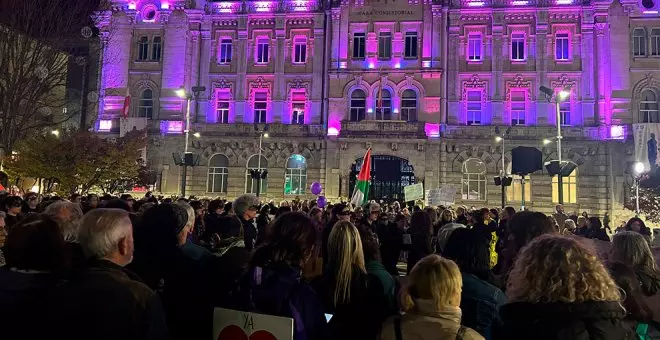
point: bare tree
(37, 43)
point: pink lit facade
(425, 81)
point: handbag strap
(397, 328)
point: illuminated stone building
(425, 84)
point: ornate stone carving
(564, 82)
(600, 28)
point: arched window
(384, 105)
(639, 42)
(218, 174)
(251, 181)
(358, 105)
(648, 108)
(295, 178)
(474, 180)
(570, 188)
(409, 106)
(146, 104)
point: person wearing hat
(371, 218)
(246, 208)
(13, 207)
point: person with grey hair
(246, 208)
(196, 253)
(632, 249)
(123, 307)
(67, 215)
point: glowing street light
(546, 141)
(181, 93)
(197, 135)
(638, 168)
(498, 139)
(55, 133)
(560, 97)
(563, 94)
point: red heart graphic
(234, 332)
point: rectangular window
(143, 49)
(655, 42)
(473, 107)
(298, 107)
(517, 47)
(359, 45)
(260, 106)
(384, 45)
(222, 107)
(217, 181)
(300, 50)
(411, 45)
(156, 48)
(561, 46)
(225, 51)
(474, 47)
(262, 51)
(514, 193)
(517, 107)
(569, 184)
(565, 111)
(639, 42)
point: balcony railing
(394, 129)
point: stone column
(204, 64)
(603, 62)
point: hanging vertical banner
(646, 144)
(134, 123)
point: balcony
(383, 128)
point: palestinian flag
(362, 185)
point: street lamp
(560, 97)
(55, 133)
(258, 173)
(197, 135)
(502, 180)
(638, 169)
(187, 157)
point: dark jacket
(593, 233)
(649, 282)
(383, 291)
(421, 246)
(391, 243)
(250, 233)
(278, 290)
(22, 299)
(480, 303)
(106, 302)
(564, 321)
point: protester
(594, 230)
(558, 289)
(370, 220)
(391, 243)
(272, 284)
(560, 216)
(637, 225)
(524, 226)
(339, 212)
(481, 299)
(106, 301)
(631, 248)
(68, 216)
(196, 253)
(12, 207)
(421, 229)
(31, 203)
(263, 220)
(642, 316)
(246, 207)
(431, 302)
(569, 227)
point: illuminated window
(260, 106)
(262, 51)
(222, 106)
(300, 50)
(218, 174)
(143, 49)
(295, 178)
(409, 106)
(411, 45)
(384, 45)
(359, 45)
(517, 107)
(358, 105)
(565, 111)
(655, 42)
(570, 188)
(648, 107)
(298, 107)
(384, 105)
(256, 163)
(517, 47)
(639, 42)
(146, 104)
(473, 107)
(474, 180)
(225, 51)
(514, 192)
(474, 47)
(156, 48)
(561, 46)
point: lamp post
(187, 157)
(638, 169)
(503, 181)
(260, 174)
(559, 98)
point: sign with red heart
(238, 325)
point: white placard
(414, 192)
(444, 195)
(238, 325)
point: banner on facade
(443, 195)
(646, 144)
(237, 325)
(414, 192)
(385, 10)
(134, 123)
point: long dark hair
(289, 240)
(470, 249)
(635, 305)
(420, 223)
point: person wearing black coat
(246, 207)
(421, 238)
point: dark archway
(389, 174)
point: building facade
(427, 85)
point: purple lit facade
(419, 80)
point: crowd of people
(155, 268)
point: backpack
(399, 336)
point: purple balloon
(321, 201)
(316, 188)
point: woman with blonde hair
(632, 249)
(431, 303)
(558, 289)
(569, 227)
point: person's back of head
(36, 244)
(116, 203)
(107, 234)
(370, 246)
(470, 250)
(433, 279)
(420, 223)
(158, 234)
(68, 216)
(528, 225)
(625, 278)
(290, 240)
(632, 249)
(344, 257)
